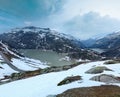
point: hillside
(111, 44)
(54, 83)
(12, 62)
(108, 42)
(47, 39)
(40, 38)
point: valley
(51, 64)
(59, 48)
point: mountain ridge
(46, 39)
(40, 38)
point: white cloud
(81, 18)
(91, 24)
(27, 23)
(86, 18)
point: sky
(81, 18)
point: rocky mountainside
(40, 38)
(12, 62)
(112, 53)
(108, 42)
(47, 39)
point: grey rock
(106, 78)
(98, 69)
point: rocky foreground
(88, 79)
(96, 91)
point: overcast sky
(80, 18)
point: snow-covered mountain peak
(39, 38)
(41, 31)
(30, 29)
(113, 35)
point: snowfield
(25, 64)
(28, 64)
(46, 84)
(10, 62)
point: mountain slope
(108, 42)
(89, 42)
(46, 39)
(11, 62)
(111, 43)
(40, 38)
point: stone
(106, 78)
(68, 80)
(98, 69)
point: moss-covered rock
(112, 62)
(70, 79)
(98, 69)
(106, 78)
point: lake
(52, 58)
(98, 50)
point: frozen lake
(53, 58)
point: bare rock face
(98, 69)
(106, 78)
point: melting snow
(46, 84)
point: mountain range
(46, 39)
(27, 77)
(110, 44)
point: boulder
(68, 80)
(98, 69)
(106, 78)
(96, 91)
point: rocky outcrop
(112, 62)
(69, 79)
(98, 69)
(96, 91)
(106, 78)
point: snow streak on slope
(10, 62)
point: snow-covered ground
(25, 64)
(46, 84)
(28, 64)
(9, 65)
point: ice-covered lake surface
(52, 58)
